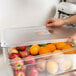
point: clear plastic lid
(12, 37)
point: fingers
(50, 22)
(55, 22)
(71, 40)
(75, 42)
(74, 39)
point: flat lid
(12, 37)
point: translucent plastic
(48, 65)
(52, 63)
(43, 65)
(12, 37)
(70, 73)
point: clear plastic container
(39, 62)
(70, 73)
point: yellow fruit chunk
(59, 54)
(52, 67)
(55, 51)
(67, 47)
(34, 49)
(44, 50)
(51, 47)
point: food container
(70, 73)
(39, 61)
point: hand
(55, 22)
(72, 39)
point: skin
(61, 22)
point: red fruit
(32, 71)
(21, 48)
(19, 73)
(13, 50)
(17, 63)
(41, 66)
(24, 53)
(23, 68)
(30, 59)
(13, 55)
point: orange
(60, 45)
(51, 47)
(55, 43)
(44, 50)
(34, 49)
(71, 52)
(68, 46)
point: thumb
(71, 40)
(75, 42)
